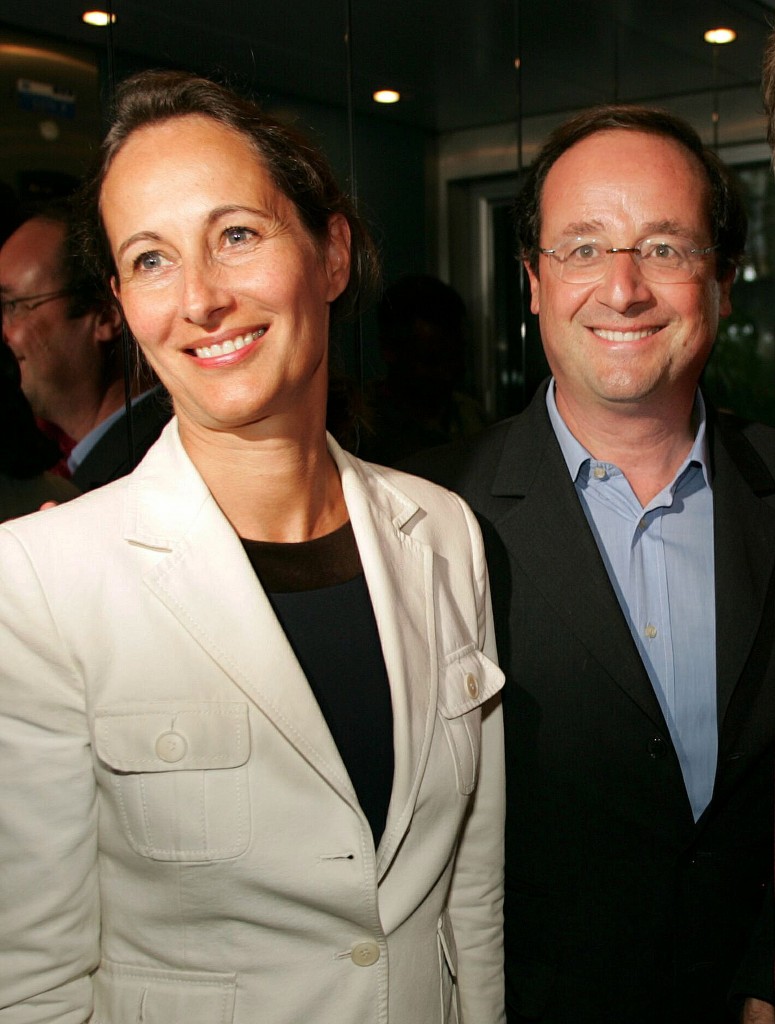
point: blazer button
(365, 954)
(472, 685)
(171, 747)
(657, 747)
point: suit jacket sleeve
(49, 902)
(476, 897)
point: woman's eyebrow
(140, 236)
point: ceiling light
(99, 18)
(386, 96)
(719, 36)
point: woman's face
(221, 285)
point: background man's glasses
(667, 259)
(17, 309)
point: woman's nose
(205, 296)
(623, 284)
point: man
(640, 710)
(66, 338)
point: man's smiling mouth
(607, 335)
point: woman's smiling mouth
(230, 346)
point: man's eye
(584, 253)
(662, 251)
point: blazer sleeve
(49, 902)
(476, 895)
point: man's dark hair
(86, 291)
(726, 212)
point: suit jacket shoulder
(109, 459)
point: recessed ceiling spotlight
(719, 36)
(386, 96)
(99, 18)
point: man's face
(624, 342)
(55, 353)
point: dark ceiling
(453, 60)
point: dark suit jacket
(110, 459)
(619, 908)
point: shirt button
(365, 954)
(650, 631)
(171, 747)
(472, 685)
(599, 473)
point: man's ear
(725, 288)
(108, 322)
(535, 287)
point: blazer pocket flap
(126, 993)
(168, 737)
(468, 679)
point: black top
(319, 594)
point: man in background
(631, 543)
(66, 337)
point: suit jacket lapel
(548, 534)
(744, 541)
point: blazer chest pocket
(468, 680)
(178, 773)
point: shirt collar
(575, 454)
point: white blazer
(179, 840)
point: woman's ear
(337, 255)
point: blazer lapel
(234, 622)
(399, 575)
(744, 541)
(548, 535)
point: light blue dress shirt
(660, 562)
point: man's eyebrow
(665, 227)
(583, 227)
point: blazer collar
(169, 509)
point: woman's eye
(237, 235)
(147, 261)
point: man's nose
(623, 284)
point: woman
(241, 801)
